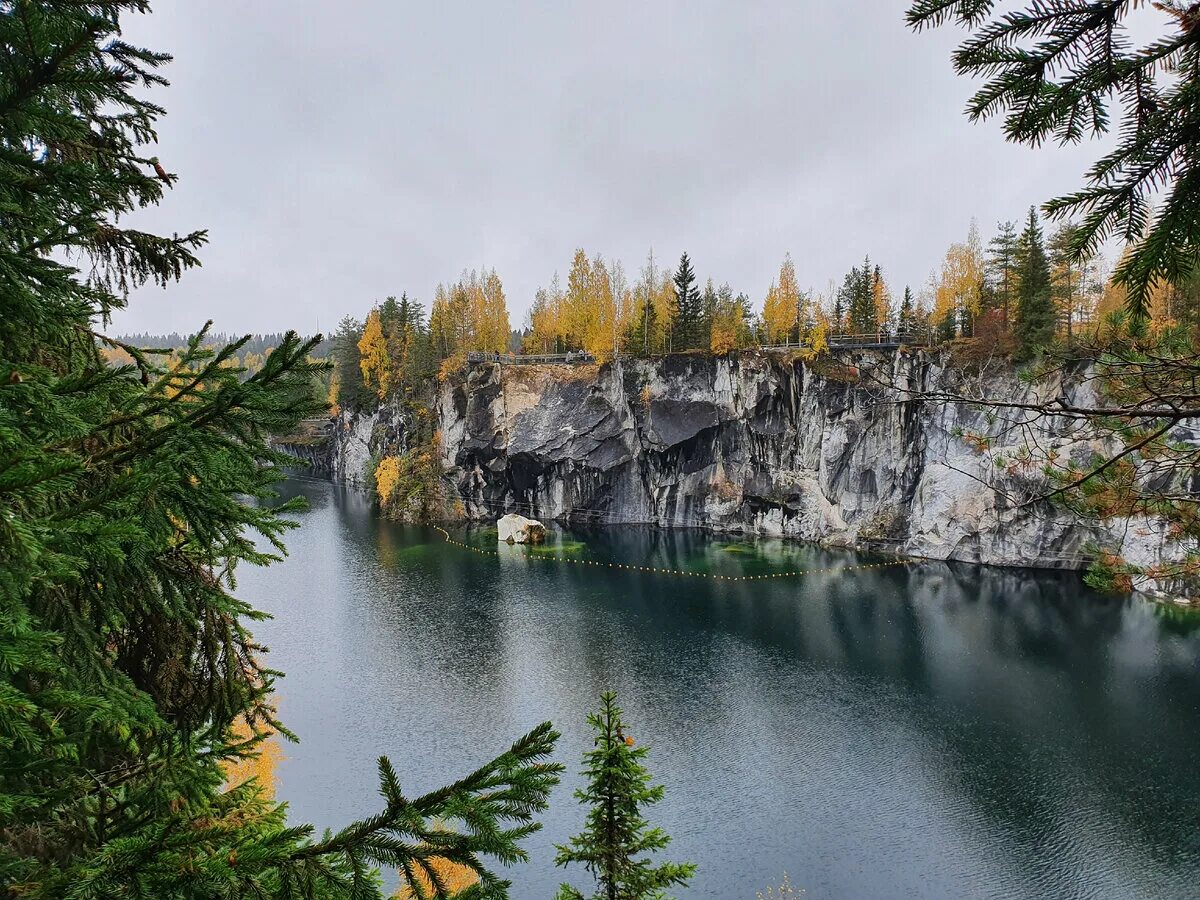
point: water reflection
(935, 730)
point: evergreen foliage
(1035, 324)
(1001, 267)
(906, 319)
(129, 496)
(857, 298)
(617, 841)
(351, 391)
(689, 318)
(642, 328)
(1053, 70)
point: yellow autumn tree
(782, 304)
(599, 337)
(666, 309)
(622, 300)
(373, 355)
(882, 297)
(545, 320)
(470, 314)
(455, 878)
(727, 324)
(490, 314)
(959, 285)
(260, 765)
(576, 313)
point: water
(929, 731)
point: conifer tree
(1063, 70)
(1001, 267)
(1035, 304)
(347, 372)
(642, 328)
(708, 310)
(690, 308)
(906, 320)
(858, 297)
(1071, 275)
(617, 841)
(130, 495)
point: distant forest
(259, 344)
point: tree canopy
(1055, 71)
(130, 493)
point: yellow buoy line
(682, 573)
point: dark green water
(934, 731)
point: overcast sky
(339, 153)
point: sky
(339, 153)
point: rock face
(767, 444)
(360, 437)
(516, 529)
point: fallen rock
(516, 529)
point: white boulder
(515, 529)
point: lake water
(920, 731)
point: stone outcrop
(769, 444)
(517, 529)
(758, 443)
(358, 438)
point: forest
(1023, 292)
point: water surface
(920, 731)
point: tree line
(1020, 286)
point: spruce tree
(858, 291)
(1062, 70)
(129, 495)
(689, 319)
(905, 322)
(1001, 267)
(617, 841)
(1035, 305)
(709, 301)
(352, 393)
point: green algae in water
(740, 547)
(566, 548)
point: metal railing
(574, 358)
(878, 340)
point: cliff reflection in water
(912, 731)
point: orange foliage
(116, 356)
(374, 362)
(455, 876)
(260, 767)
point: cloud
(339, 153)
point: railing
(865, 341)
(575, 358)
(307, 431)
(878, 340)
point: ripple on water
(937, 731)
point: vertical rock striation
(766, 444)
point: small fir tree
(690, 305)
(1001, 267)
(1035, 304)
(906, 321)
(617, 841)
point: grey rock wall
(766, 444)
(836, 452)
